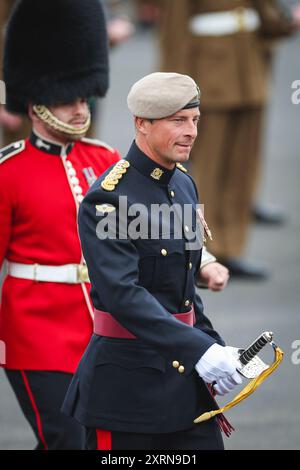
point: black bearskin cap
(55, 52)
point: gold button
(187, 303)
(164, 252)
(176, 364)
(181, 369)
(78, 190)
(172, 194)
(186, 228)
(74, 181)
(190, 265)
(71, 172)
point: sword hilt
(255, 347)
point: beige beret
(159, 95)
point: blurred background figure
(225, 45)
(119, 26)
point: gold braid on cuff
(47, 117)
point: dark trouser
(204, 436)
(40, 395)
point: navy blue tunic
(131, 385)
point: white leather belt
(226, 22)
(68, 273)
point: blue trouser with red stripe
(204, 436)
(40, 395)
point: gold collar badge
(157, 174)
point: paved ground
(270, 419)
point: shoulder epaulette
(97, 142)
(181, 167)
(113, 178)
(11, 150)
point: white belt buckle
(82, 273)
(240, 14)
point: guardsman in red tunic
(46, 314)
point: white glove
(224, 386)
(219, 365)
(234, 352)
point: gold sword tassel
(248, 390)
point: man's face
(171, 139)
(73, 120)
(75, 114)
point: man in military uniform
(46, 315)
(218, 43)
(142, 380)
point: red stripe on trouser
(103, 439)
(35, 409)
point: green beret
(160, 95)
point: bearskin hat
(55, 52)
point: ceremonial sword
(251, 364)
(252, 367)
